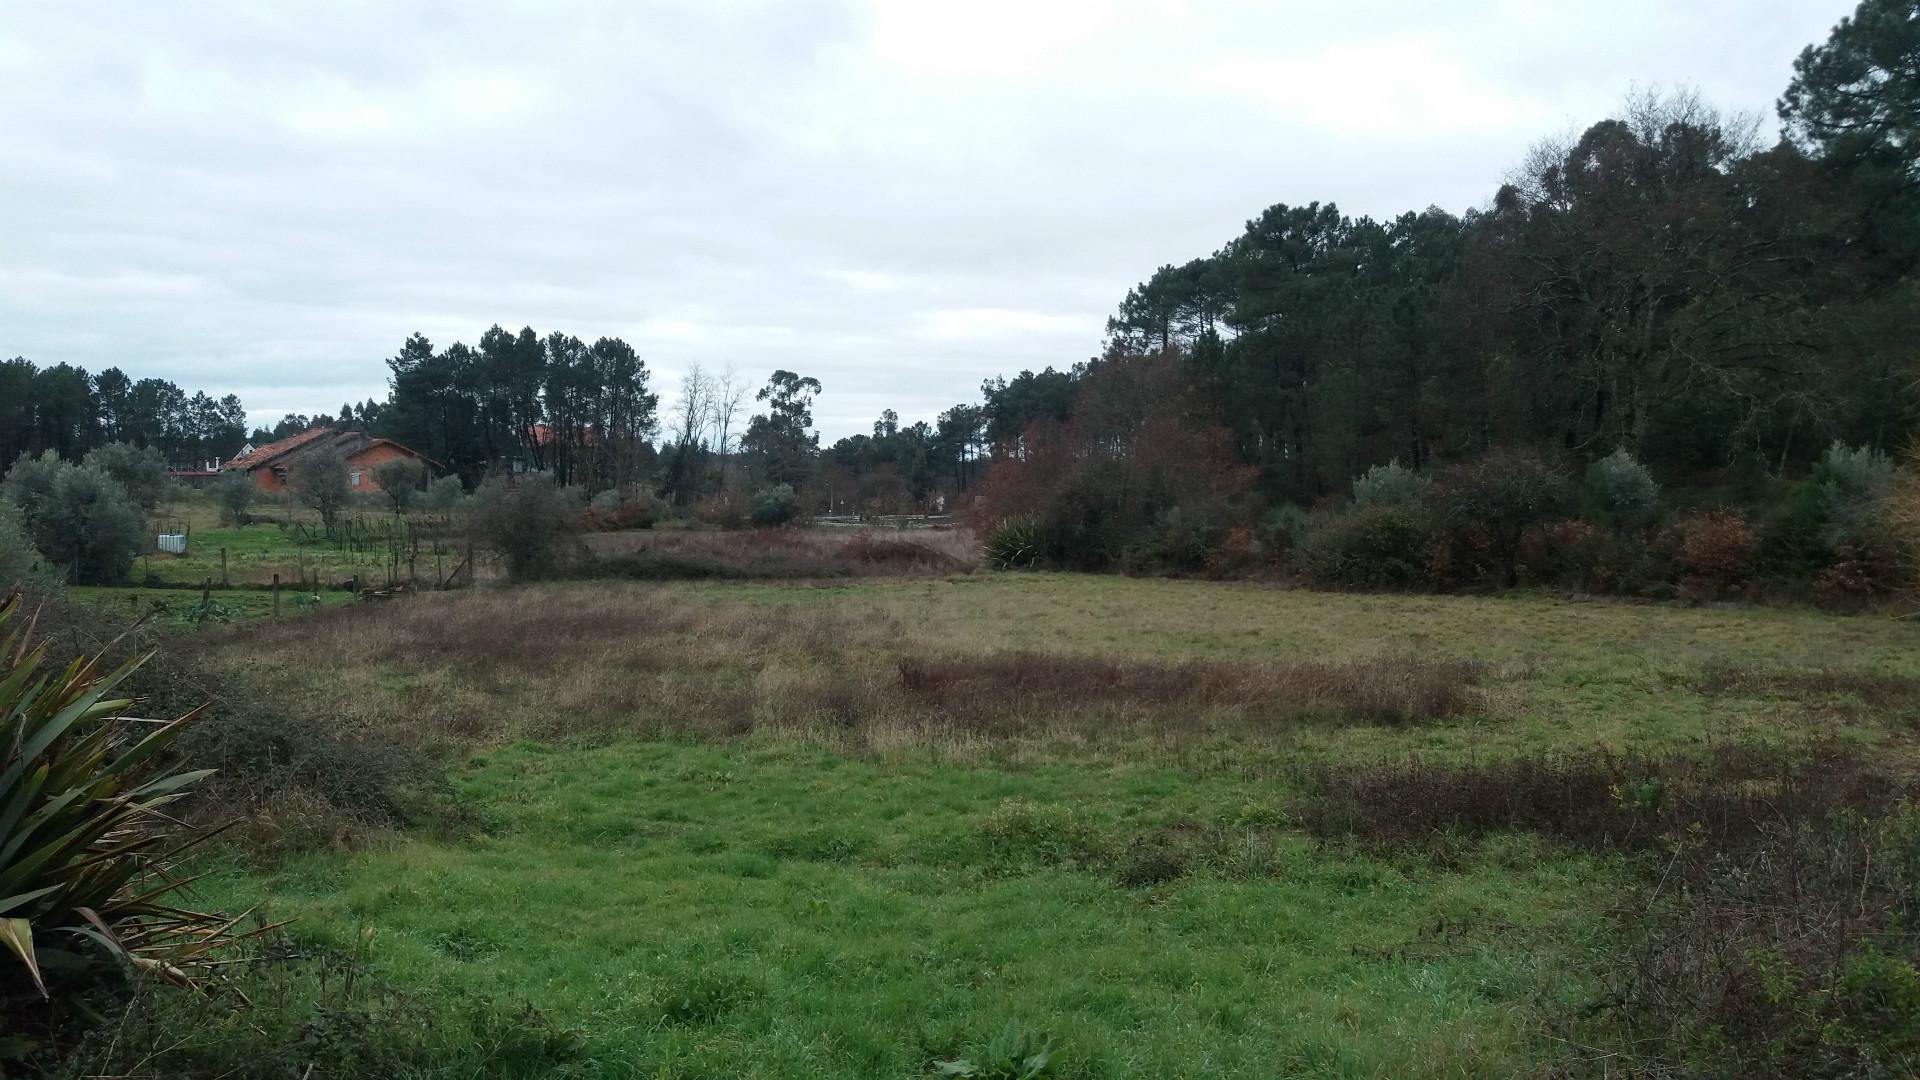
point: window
(354, 478)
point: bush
(1853, 485)
(1015, 544)
(1620, 493)
(86, 525)
(138, 469)
(728, 510)
(1190, 537)
(1281, 531)
(1374, 547)
(20, 561)
(298, 784)
(1505, 492)
(1715, 552)
(234, 492)
(1579, 555)
(444, 495)
(1861, 573)
(320, 479)
(400, 480)
(529, 519)
(29, 483)
(1392, 484)
(775, 505)
(84, 844)
(612, 509)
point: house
(270, 466)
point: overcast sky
(898, 197)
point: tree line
(68, 411)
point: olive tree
(234, 492)
(138, 469)
(529, 519)
(320, 480)
(400, 480)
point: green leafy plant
(1017, 1053)
(1392, 484)
(85, 848)
(1015, 543)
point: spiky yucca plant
(1014, 543)
(84, 843)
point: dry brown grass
(1874, 689)
(780, 553)
(452, 671)
(1383, 690)
(1595, 799)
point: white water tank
(173, 543)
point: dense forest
(1664, 293)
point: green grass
(180, 608)
(708, 830)
(774, 909)
(269, 546)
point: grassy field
(181, 608)
(285, 540)
(852, 830)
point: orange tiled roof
(261, 455)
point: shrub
(86, 525)
(443, 495)
(318, 1012)
(613, 509)
(84, 844)
(234, 493)
(1853, 483)
(1504, 492)
(320, 479)
(1189, 536)
(1861, 572)
(1621, 493)
(1281, 531)
(728, 510)
(1016, 543)
(1374, 547)
(400, 480)
(29, 483)
(20, 561)
(1715, 552)
(137, 469)
(1392, 484)
(1903, 515)
(530, 520)
(775, 505)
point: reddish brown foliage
(1139, 443)
(1371, 691)
(1715, 552)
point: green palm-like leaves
(84, 841)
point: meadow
(1179, 828)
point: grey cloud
(899, 198)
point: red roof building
(270, 465)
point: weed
(703, 997)
(1017, 1053)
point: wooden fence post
(276, 596)
(224, 583)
